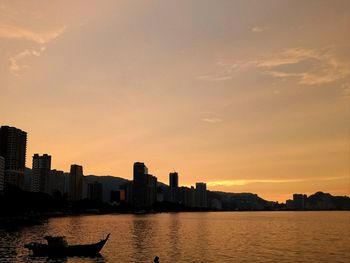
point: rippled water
(196, 237)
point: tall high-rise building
(201, 195)
(173, 180)
(140, 169)
(144, 188)
(13, 146)
(2, 173)
(76, 182)
(174, 184)
(151, 190)
(41, 173)
(139, 190)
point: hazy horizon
(247, 96)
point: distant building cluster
(43, 179)
(144, 192)
(141, 193)
(187, 196)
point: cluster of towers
(187, 196)
(13, 146)
(142, 192)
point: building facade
(94, 191)
(299, 201)
(2, 174)
(118, 196)
(13, 146)
(174, 187)
(76, 182)
(174, 180)
(201, 195)
(58, 182)
(144, 187)
(41, 168)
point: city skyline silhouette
(254, 96)
(175, 131)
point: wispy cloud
(323, 66)
(17, 61)
(252, 181)
(268, 181)
(14, 32)
(212, 120)
(259, 29)
(227, 70)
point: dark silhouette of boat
(58, 247)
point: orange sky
(248, 96)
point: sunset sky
(248, 96)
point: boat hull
(74, 250)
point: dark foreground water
(196, 237)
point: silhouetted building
(118, 196)
(299, 201)
(76, 182)
(174, 184)
(139, 184)
(2, 174)
(140, 169)
(128, 187)
(184, 196)
(174, 180)
(151, 190)
(94, 191)
(41, 173)
(13, 146)
(289, 204)
(144, 187)
(216, 204)
(58, 182)
(192, 197)
(160, 195)
(201, 195)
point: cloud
(16, 66)
(306, 66)
(325, 68)
(212, 120)
(259, 29)
(250, 181)
(14, 32)
(41, 38)
(269, 181)
(227, 70)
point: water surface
(196, 237)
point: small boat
(57, 246)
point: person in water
(156, 259)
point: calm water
(196, 237)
